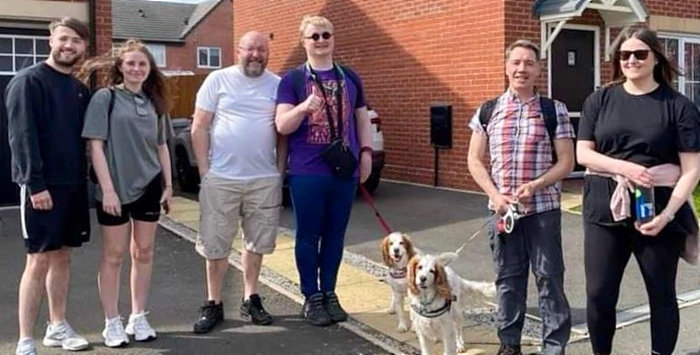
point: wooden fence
(183, 90)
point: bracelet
(669, 216)
(366, 149)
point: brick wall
(675, 8)
(103, 23)
(409, 55)
(413, 53)
(208, 33)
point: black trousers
(607, 250)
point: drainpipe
(92, 18)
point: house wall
(414, 53)
(409, 54)
(211, 32)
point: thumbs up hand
(314, 102)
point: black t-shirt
(648, 129)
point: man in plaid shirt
(523, 173)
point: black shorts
(67, 224)
(146, 208)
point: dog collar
(420, 309)
(397, 273)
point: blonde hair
(318, 21)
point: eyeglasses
(640, 54)
(141, 107)
(316, 36)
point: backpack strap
(299, 81)
(486, 112)
(549, 113)
(109, 112)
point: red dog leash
(366, 196)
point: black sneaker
(509, 350)
(334, 309)
(211, 314)
(315, 312)
(252, 310)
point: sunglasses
(317, 36)
(640, 54)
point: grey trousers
(535, 241)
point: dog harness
(421, 310)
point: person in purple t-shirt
(322, 199)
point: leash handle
(368, 198)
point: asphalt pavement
(177, 291)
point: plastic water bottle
(644, 203)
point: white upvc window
(18, 52)
(158, 52)
(209, 57)
(684, 51)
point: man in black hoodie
(45, 108)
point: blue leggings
(322, 206)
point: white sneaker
(26, 346)
(138, 327)
(114, 334)
(64, 336)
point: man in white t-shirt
(241, 161)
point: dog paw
(461, 348)
(403, 328)
(390, 311)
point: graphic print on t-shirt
(319, 131)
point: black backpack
(549, 111)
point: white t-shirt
(243, 137)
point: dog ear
(447, 258)
(410, 250)
(385, 252)
(412, 264)
(441, 284)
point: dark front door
(573, 70)
(19, 48)
(9, 193)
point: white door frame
(596, 57)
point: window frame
(208, 65)
(36, 58)
(683, 39)
(149, 46)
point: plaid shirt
(520, 148)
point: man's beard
(254, 72)
(64, 62)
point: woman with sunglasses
(638, 134)
(126, 126)
(321, 106)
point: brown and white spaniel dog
(397, 249)
(438, 299)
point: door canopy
(622, 14)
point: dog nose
(396, 250)
(422, 278)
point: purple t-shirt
(313, 135)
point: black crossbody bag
(337, 155)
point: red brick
(411, 53)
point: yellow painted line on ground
(363, 296)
